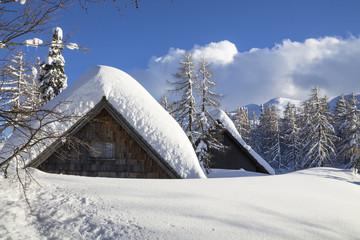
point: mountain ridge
(282, 102)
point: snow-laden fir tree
(52, 77)
(290, 144)
(254, 119)
(207, 128)
(15, 78)
(241, 121)
(184, 109)
(318, 134)
(165, 104)
(340, 112)
(350, 150)
(227, 111)
(271, 138)
(251, 138)
(256, 136)
(19, 96)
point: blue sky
(135, 41)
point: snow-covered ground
(320, 203)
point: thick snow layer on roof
(229, 125)
(137, 106)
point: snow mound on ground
(136, 105)
(229, 125)
(344, 175)
(312, 204)
(232, 173)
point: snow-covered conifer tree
(165, 104)
(14, 82)
(350, 149)
(271, 141)
(254, 118)
(18, 92)
(340, 112)
(207, 128)
(207, 140)
(52, 77)
(241, 121)
(291, 144)
(184, 109)
(253, 121)
(256, 136)
(32, 91)
(318, 134)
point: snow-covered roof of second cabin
(230, 127)
(143, 113)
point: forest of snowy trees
(310, 135)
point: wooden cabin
(237, 154)
(120, 130)
(103, 144)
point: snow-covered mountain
(280, 102)
(333, 101)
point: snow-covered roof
(144, 114)
(230, 127)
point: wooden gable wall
(234, 157)
(129, 159)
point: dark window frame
(102, 150)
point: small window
(108, 151)
(95, 150)
(102, 150)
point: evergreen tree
(207, 140)
(18, 92)
(242, 123)
(14, 81)
(185, 108)
(256, 137)
(206, 126)
(271, 137)
(227, 111)
(318, 134)
(350, 149)
(209, 99)
(254, 120)
(52, 76)
(165, 104)
(252, 136)
(340, 112)
(291, 144)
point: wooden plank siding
(129, 160)
(235, 156)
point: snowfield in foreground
(320, 203)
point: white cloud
(221, 53)
(289, 69)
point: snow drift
(320, 203)
(134, 103)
